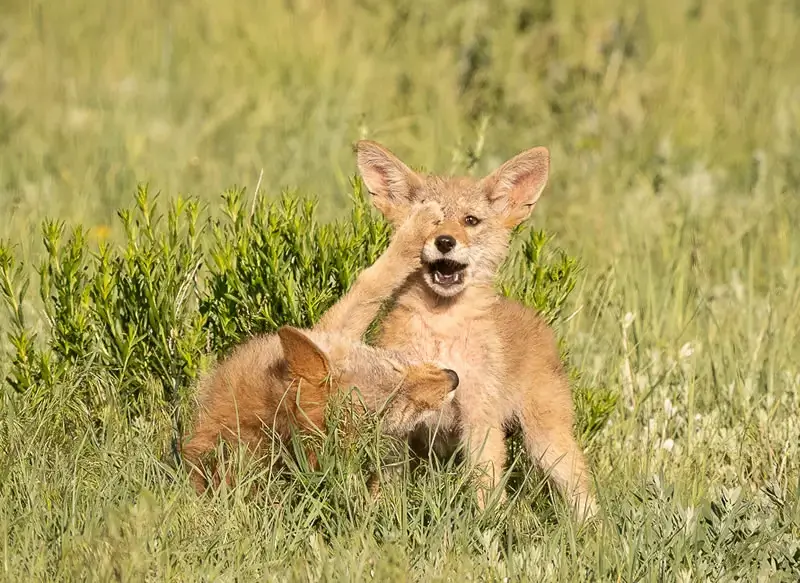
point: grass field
(674, 130)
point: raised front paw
(417, 228)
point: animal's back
(255, 375)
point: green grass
(674, 130)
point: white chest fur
(467, 345)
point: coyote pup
(283, 381)
(449, 312)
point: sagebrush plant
(275, 264)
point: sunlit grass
(674, 130)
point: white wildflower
(627, 321)
(669, 408)
(686, 351)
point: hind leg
(196, 450)
(197, 470)
(557, 453)
(549, 440)
(201, 454)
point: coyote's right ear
(306, 360)
(392, 184)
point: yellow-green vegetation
(674, 130)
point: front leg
(485, 447)
(353, 313)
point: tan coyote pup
(449, 311)
(280, 382)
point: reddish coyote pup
(449, 312)
(277, 382)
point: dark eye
(471, 221)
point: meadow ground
(674, 130)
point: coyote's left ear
(515, 187)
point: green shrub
(190, 283)
(278, 266)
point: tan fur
(505, 355)
(275, 383)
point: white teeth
(447, 279)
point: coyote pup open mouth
(447, 273)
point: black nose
(445, 243)
(453, 377)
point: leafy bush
(277, 266)
(188, 283)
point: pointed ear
(306, 360)
(516, 186)
(392, 184)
